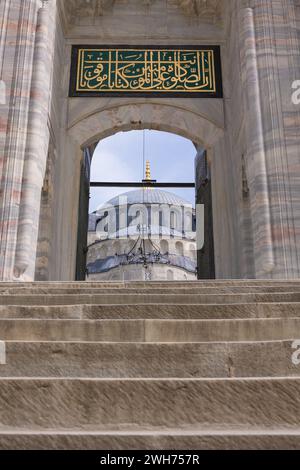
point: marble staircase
(197, 365)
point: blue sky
(120, 158)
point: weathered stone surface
(116, 404)
(147, 298)
(144, 311)
(158, 330)
(184, 290)
(252, 141)
(261, 439)
(138, 359)
(156, 375)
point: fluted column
(256, 157)
(17, 35)
(37, 144)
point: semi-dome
(149, 196)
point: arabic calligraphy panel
(123, 71)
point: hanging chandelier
(139, 253)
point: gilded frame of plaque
(154, 71)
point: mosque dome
(149, 196)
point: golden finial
(148, 171)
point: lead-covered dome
(148, 196)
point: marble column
(37, 144)
(17, 36)
(255, 158)
(278, 46)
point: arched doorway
(93, 120)
(125, 206)
(177, 117)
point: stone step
(77, 285)
(72, 299)
(264, 329)
(119, 404)
(152, 439)
(150, 365)
(197, 290)
(152, 360)
(148, 311)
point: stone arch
(179, 248)
(164, 246)
(176, 218)
(97, 124)
(92, 120)
(117, 247)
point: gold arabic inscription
(151, 70)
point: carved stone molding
(85, 8)
(208, 10)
